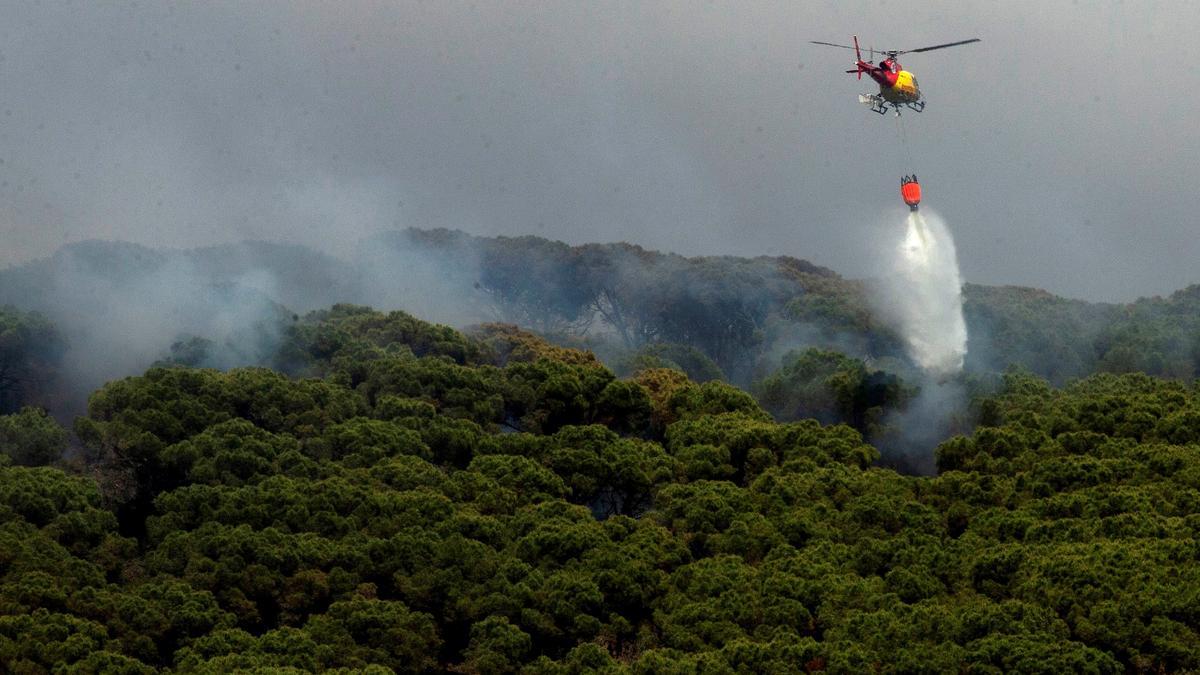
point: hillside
(431, 501)
(118, 308)
(804, 341)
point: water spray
(925, 290)
(921, 297)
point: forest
(625, 461)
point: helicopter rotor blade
(830, 44)
(942, 46)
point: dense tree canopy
(831, 387)
(712, 317)
(394, 495)
(30, 348)
(437, 502)
(31, 437)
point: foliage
(347, 337)
(30, 349)
(689, 360)
(718, 307)
(512, 343)
(31, 437)
(831, 387)
(423, 508)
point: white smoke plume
(923, 296)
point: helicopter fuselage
(896, 85)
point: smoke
(396, 271)
(119, 308)
(909, 436)
(122, 307)
(923, 296)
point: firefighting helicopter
(897, 86)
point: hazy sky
(1063, 151)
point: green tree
(31, 437)
(30, 350)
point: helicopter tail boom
(858, 58)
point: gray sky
(1062, 151)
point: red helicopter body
(897, 86)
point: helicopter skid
(879, 104)
(876, 102)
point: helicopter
(897, 86)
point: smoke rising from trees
(922, 297)
(116, 308)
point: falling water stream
(926, 293)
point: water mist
(924, 294)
